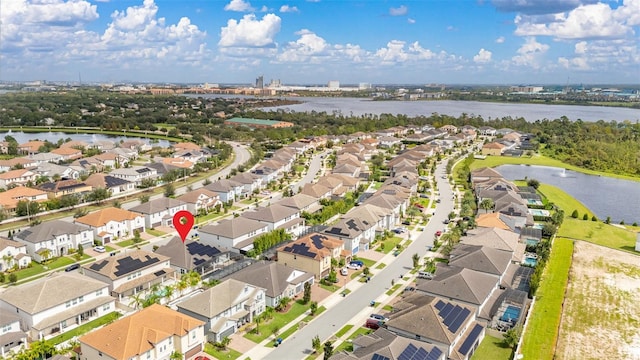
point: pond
(22, 137)
(605, 196)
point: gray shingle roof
(461, 284)
(233, 228)
(271, 276)
(271, 213)
(48, 230)
(158, 205)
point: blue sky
(314, 41)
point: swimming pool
(539, 212)
(511, 314)
(530, 261)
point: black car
(72, 267)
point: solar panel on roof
(377, 356)
(439, 305)
(470, 340)
(462, 316)
(434, 354)
(446, 310)
(408, 352)
(421, 354)
(450, 313)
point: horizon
(315, 41)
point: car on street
(406, 222)
(418, 205)
(438, 233)
(409, 289)
(424, 196)
(446, 221)
(72, 267)
(99, 249)
(438, 201)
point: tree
(169, 190)
(307, 293)
(144, 199)
(486, 205)
(27, 208)
(416, 260)
(313, 308)
(136, 236)
(512, 336)
(328, 350)
(257, 320)
(585, 216)
(533, 183)
(275, 330)
(45, 254)
(80, 250)
(575, 214)
(99, 195)
(176, 356)
(136, 300)
(316, 344)
(13, 278)
(282, 304)
(594, 218)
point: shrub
(585, 217)
(574, 214)
(594, 218)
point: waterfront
(22, 137)
(605, 196)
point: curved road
(329, 322)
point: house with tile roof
(316, 190)
(312, 253)
(57, 237)
(30, 147)
(279, 281)
(68, 153)
(442, 322)
(195, 256)
(13, 253)
(201, 200)
(12, 338)
(130, 272)
(18, 177)
(105, 181)
(23, 162)
(278, 216)
(159, 212)
(225, 307)
(182, 146)
(51, 170)
(57, 303)
(9, 199)
(155, 332)
(113, 223)
(236, 233)
(250, 182)
(492, 148)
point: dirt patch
(601, 311)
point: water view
(605, 196)
(22, 137)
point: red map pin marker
(183, 222)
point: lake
(605, 196)
(22, 137)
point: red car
(438, 233)
(419, 206)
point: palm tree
(282, 304)
(45, 254)
(181, 286)
(168, 292)
(9, 260)
(136, 300)
(416, 260)
(486, 204)
(176, 356)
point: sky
(315, 41)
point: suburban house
(9, 199)
(201, 201)
(447, 324)
(236, 234)
(278, 217)
(493, 148)
(30, 147)
(194, 256)
(301, 202)
(482, 258)
(54, 238)
(18, 177)
(250, 182)
(57, 303)
(155, 332)
(484, 174)
(227, 189)
(22, 162)
(269, 170)
(498, 239)
(135, 174)
(185, 146)
(317, 191)
(130, 272)
(311, 253)
(225, 307)
(356, 233)
(487, 131)
(13, 253)
(279, 281)
(52, 170)
(46, 157)
(159, 212)
(61, 188)
(12, 338)
(386, 344)
(113, 223)
(115, 185)
(68, 153)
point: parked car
(424, 196)
(344, 271)
(372, 324)
(378, 317)
(357, 262)
(438, 201)
(354, 266)
(406, 222)
(446, 221)
(72, 267)
(409, 288)
(99, 249)
(419, 206)
(438, 233)
(425, 275)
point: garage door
(227, 333)
(193, 351)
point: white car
(344, 272)
(99, 249)
(354, 266)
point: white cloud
(399, 11)
(239, 6)
(411, 21)
(135, 17)
(451, 28)
(500, 40)
(288, 9)
(483, 56)
(393, 53)
(250, 32)
(530, 53)
(311, 48)
(584, 22)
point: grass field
(279, 320)
(36, 268)
(491, 348)
(596, 232)
(564, 201)
(542, 330)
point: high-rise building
(260, 82)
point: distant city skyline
(317, 41)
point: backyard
(279, 320)
(601, 306)
(492, 348)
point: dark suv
(72, 267)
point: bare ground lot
(601, 312)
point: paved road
(299, 345)
(315, 166)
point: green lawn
(279, 320)
(492, 348)
(389, 244)
(332, 288)
(599, 233)
(346, 345)
(209, 217)
(155, 232)
(393, 289)
(85, 328)
(542, 330)
(320, 310)
(381, 266)
(344, 330)
(229, 354)
(564, 201)
(36, 268)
